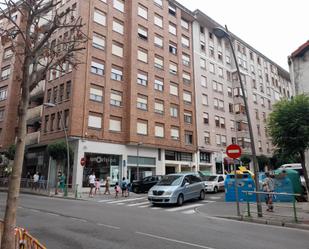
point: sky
(273, 27)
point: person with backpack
(124, 187)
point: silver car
(177, 188)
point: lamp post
(137, 160)
(67, 144)
(224, 33)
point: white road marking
(103, 200)
(208, 201)
(134, 199)
(120, 203)
(78, 219)
(174, 240)
(184, 207)
(192, 211)
(109, 226)
(144, 206)
(155, 208)
(215, 197)
(52, 214)
(137, 204)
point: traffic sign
(233, 151)
(82, 161)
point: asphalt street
(132, 223)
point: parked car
(145, 184)
(214, 183)
(177, 188)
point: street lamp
(224, 33)
(67, 144)
(137, 158)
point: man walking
(91, 184)
(36, 178)
(269, 186)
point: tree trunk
(8, 240)
(303, 164)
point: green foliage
(11, 152)
(280, 158)
(262, 161)
(245, 160)
(288, 125)
(58, 151)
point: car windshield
(210, 178)
(170, 180)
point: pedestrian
(62, 182)
(28, 179)
(36, 178)
(41, 182)
(97, 186)
(117, 189)
(107, 185)
(124, 187)
(91, 184)
(269, 186)
(128, 186)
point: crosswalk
(142, 202)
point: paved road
(134, 224)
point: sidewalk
(283, 214)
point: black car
(145, 184)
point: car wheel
(215, 189)
(202, 195)
(135, 190)
(180, 200)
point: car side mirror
(186, 184)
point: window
(260, 145)
(8, 53)
(232, 123)
(203, 81)
(158, 84)
(96, 93)
(211, 68)
(173, 68)
(218, 87)
(188, 117)
(187, 97)
(223, 140)
(222, 122)
(97, 68)
(142, 55)
(52, 120)
(3, 93)
(218, 139)
(205, 118)
(203, 63)
(202, 46)
(229, 92)
(220, 57)
(175, 133)
(142, 11)
(211, 51)
(231, 108)
(142, 127)
(207, 137)
(1, 114)
(262, 101)
(172, 28)
(119, 5)
(228, 59)
(254, 98)
(46, 124)
(68, 89)
(174, 111)
(159, 106)
(218, 104)
(116, 98)
(172, 48)
(95, 121)
(55, 94)
(158, 20)
(5, 73)
(174, 89)
(99, 17)
(172, 10)
(116, 73)
(159, 130)
(158, 62)
(66, 118)
(118, 26)
(115, 124)
(220, 72)
(186, 60)
(142, 102)
(61, 92)
(158, 2)
(204, 99)
(185, 42)
(142, 78)
(188, 137)
(142, 32)
(217, 121)
(98, 41)
(184, 24)
(186, 77)
(117, 49)
(158, 41)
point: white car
(214, 183)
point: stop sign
(82, 161)
(233, 151)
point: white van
(297, 167)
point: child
(117, 189)
(97, 186)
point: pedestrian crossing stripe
(184, 207)
(126, 200)
(192, 211)
(137, 204)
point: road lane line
(184, 207)
(215, 197)
(120, 203)
(144, 206)
(52, 214)
(137, 204)
(192, 211)
(125, 200)
(155, 208)
(174, 240)
(109, 226)
(208, 201)
(104, 201)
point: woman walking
(107, 185)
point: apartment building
(220, 111)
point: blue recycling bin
(244, 183)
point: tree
(245, 159)
(38, 50)
(58, 151)
(289, 128)
(262, 162)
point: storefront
(146, 166)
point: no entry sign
(233, 151)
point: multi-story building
(157, 93)
(220, 111)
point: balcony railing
(34, 114)
(33, 138)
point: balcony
(33, 138)
(38, 91)
(34, 114)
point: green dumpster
(294, 178)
